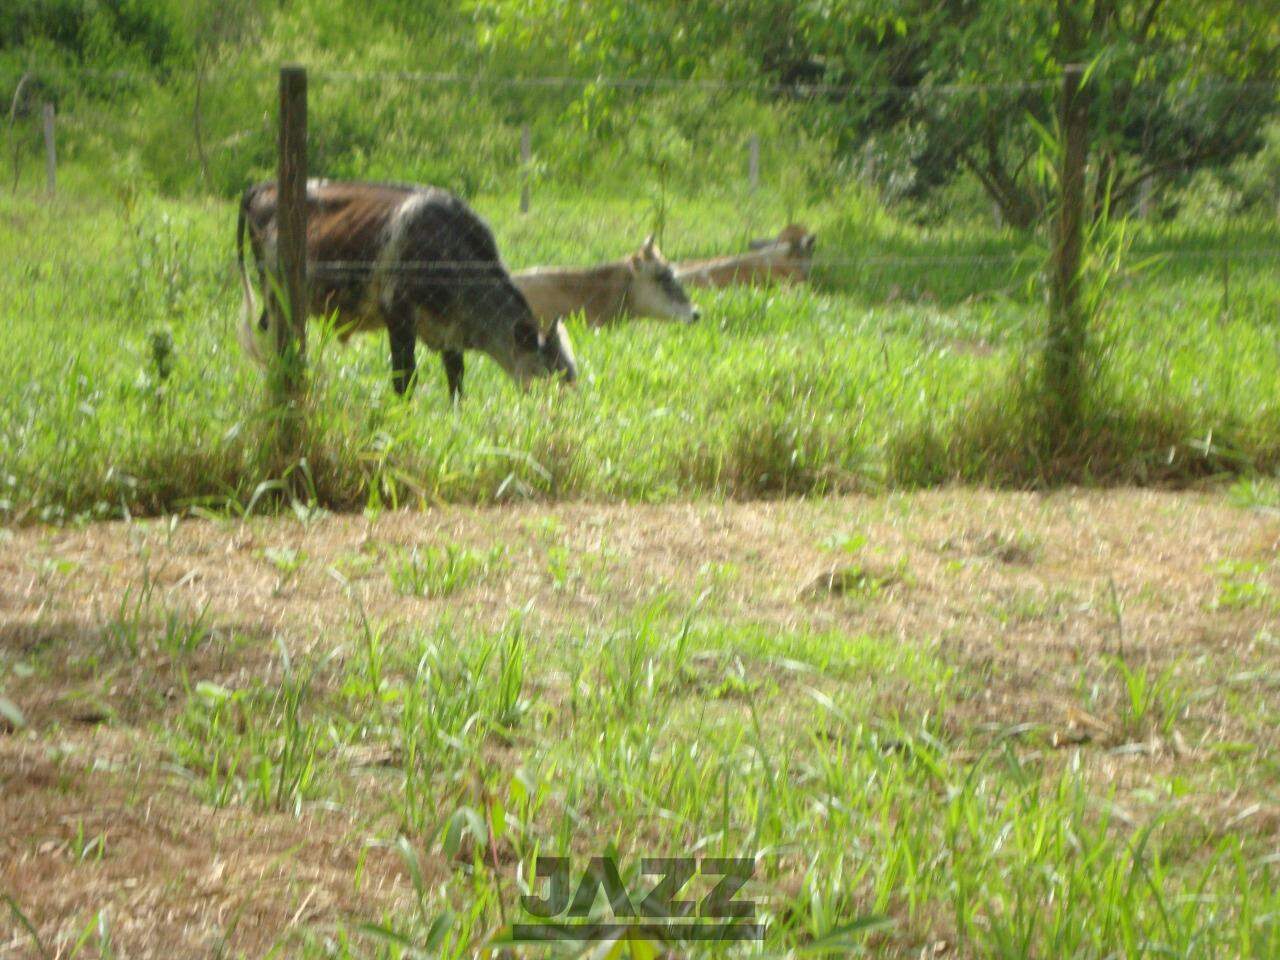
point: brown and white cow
(415, 261)
(786, 258)
(642, 285)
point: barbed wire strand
(564, 81)
(482, 273)
(876, 260)
(365, 267)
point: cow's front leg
(453, 372)
(403, 338)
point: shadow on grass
(878, 265)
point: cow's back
(370, 241)
(347, 224)
(756, 267)
(596, 292)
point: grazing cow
(413, 260)
(642, 285)
(786, 258)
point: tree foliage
(921, 90)
(912, 94)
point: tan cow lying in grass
(787, 258)
(642, 285)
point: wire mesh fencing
(787, 244)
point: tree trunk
(197, 119)
(13, 128)
(1067, 342)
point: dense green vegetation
(910, 359)
(935, 102)
(902, 364)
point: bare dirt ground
(1021, 593)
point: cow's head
(512, 337)
(654, 290)
(794, 240)
(541, 353)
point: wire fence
(827, 251)
(663, 145)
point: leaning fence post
(869, 170)
(13, 132)
(526, 159)
(1145, 205)
(50, 151)
(753, 161)
(291, 187)
(1065, 349)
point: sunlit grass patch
(999, 752)
(440, 570)
(852, 382)
(259, 745)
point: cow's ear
(552, 336)
(526, 335)
(809, 242)
(649, 250)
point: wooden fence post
(50, 151)
(291, 214)
(13, 130)
(1225, 312)
(526, 159)
(869, 167)
(753, 161)
(1068, 325)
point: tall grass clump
(1145, 391)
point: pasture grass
(908, 360)
(439, 571)
(375, 776)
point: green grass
(896, 790)
(904, 363)
(832, 759)
(852, 811)
(439, 571)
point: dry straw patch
(1030, 600)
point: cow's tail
(250, 337)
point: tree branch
(1017, 209)
(1194, 157)
(987, 184)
